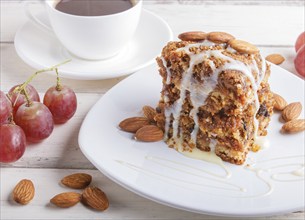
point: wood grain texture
(123, 203)
(272, 25)
(260, 25)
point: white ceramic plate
(41, 49)
(154, 171)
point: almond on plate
(275, 58)
(149, 113)
(279, 102)
(292, 111)
(149, 133)
(294, 126)
(133, 124)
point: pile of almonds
(290, 114)
(144, 128)
(91, 196)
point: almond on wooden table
(66, 199)
(149, 133)
(77, 180)
(133, 124)
(279, 102)
(292, 111)
(24, 192)
(294, 126)
(95, 198)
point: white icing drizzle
(210, 157)
(172, 164)
(295, 174)
(267, 171)
(299, 172)
(258, 172)
(200, 91)
(177, 181)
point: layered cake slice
(215, 95)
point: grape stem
(28, 100)
(52, 68)
(58, 84)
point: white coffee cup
(91, 37)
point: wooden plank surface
(272, 25)
(254, 23)
(123, 203)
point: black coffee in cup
(93, 7)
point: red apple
(299, 61)
(300, 42)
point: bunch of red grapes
(23, 118)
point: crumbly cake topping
(217, 58)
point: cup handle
(34, 19)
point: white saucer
(40, 49)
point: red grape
(299, 61)
(300, 41)
(62, 103)
(35, 120)
(5, 109)
(31, 91)
(12, 143)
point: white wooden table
(272, 25)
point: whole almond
(149, 133)
(77, 180)
(149, 113)
(275, 58)
(292, 111)
(294, 126)
(192, 36)
(219, 37)
(133, 124)
(66, 200)
(279, 102)
(95, 198)
(243, 46)
(24, 192)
